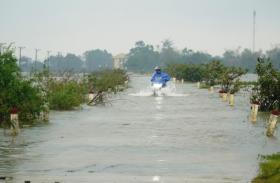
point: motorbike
(157, 87)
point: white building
(119, 61)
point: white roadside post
(182, 81)
(90, 96)
(272, 122)
(198, 84)
(174, 79)
(14, 121)
(46, 112)
(254, 111)
(224, 96)
(228, 95)
(231, 99)
(211, 89)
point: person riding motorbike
(160, 77)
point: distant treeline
(143, 57)
(91, 61)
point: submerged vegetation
(66, 94)
(17, 93)
(230, 80)
(188, 72)
(269, 171)
(107, 81)
(210, 74)
(267, 89)
(32, 96)
(69, 91)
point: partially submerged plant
(103, 82)
(213, 73)
(17, 91)
(230, 80)
(267, 89)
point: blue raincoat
(160, 77)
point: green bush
(230, 80)
(188, 72)
(102, 81)
(106, 81)
(267, 89)
(269, 169)
(17, 92)
(66, 95)
(211, 74)
(69, 93)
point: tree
(25, 64)
(188, 72)
(274, 55)
(55, 63)
(98, 59)
(69, 63)
(168, 54)
(142, 58)
(73, 63)
(230, 57)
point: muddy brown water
(188, 135)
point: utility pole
(36, 57)
(48, 58)
(57, 64)
(19, 58)
(254, 31)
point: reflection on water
(188, 135)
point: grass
(269, 169)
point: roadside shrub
(17, 92)
(230, 80)
(267, 89)
(66, 95)
(106, 81)
(102, 81)
(188, 72)
(213, 73)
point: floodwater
(188, 136)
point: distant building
(119, 61)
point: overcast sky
(115, 25)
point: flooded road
(187, 136)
